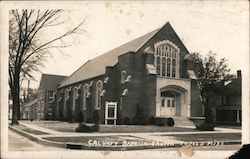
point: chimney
(238, 73)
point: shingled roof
(97, 66)
(50, 82)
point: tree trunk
(15, 91)
(16, 104)
(208, 112)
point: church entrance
(168, 104)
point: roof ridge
(54, 75)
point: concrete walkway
(39, 128)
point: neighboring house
(154, 74)
(28, 110)
(46, 93)
(229, 110)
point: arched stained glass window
(99, 87)
(166, 59)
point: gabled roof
(50, 82)
(97, 66)
(234, 87)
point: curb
(37, 139)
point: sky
(203, 26)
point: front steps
(182, 121)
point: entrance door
(168, 106)
(110, 113)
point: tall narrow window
(99, 87)
(163, 66)
(173, 67)
(158, 65)
(84, 96)
(168, 67)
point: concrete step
(182, 121)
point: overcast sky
(222, 27)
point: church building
(153, 75)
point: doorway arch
(174, 101)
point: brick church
(153, 75)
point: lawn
(70, 127)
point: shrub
(80, 117)
(161, 121)
(46, 117)
(69, 115)
(205, 127)
(89, 120)
(139, 118)
(119, 121)
(151, 121)
(87, 128)
(96, 118)
(60, 115)
(126, 121)
(170, 122)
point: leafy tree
(27, 50)
(211, 76)
(80, 117)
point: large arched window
(84, 96)
(98, 98)
(167, 59)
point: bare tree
(27, 50)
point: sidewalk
(20, 143)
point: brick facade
(132, 84)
